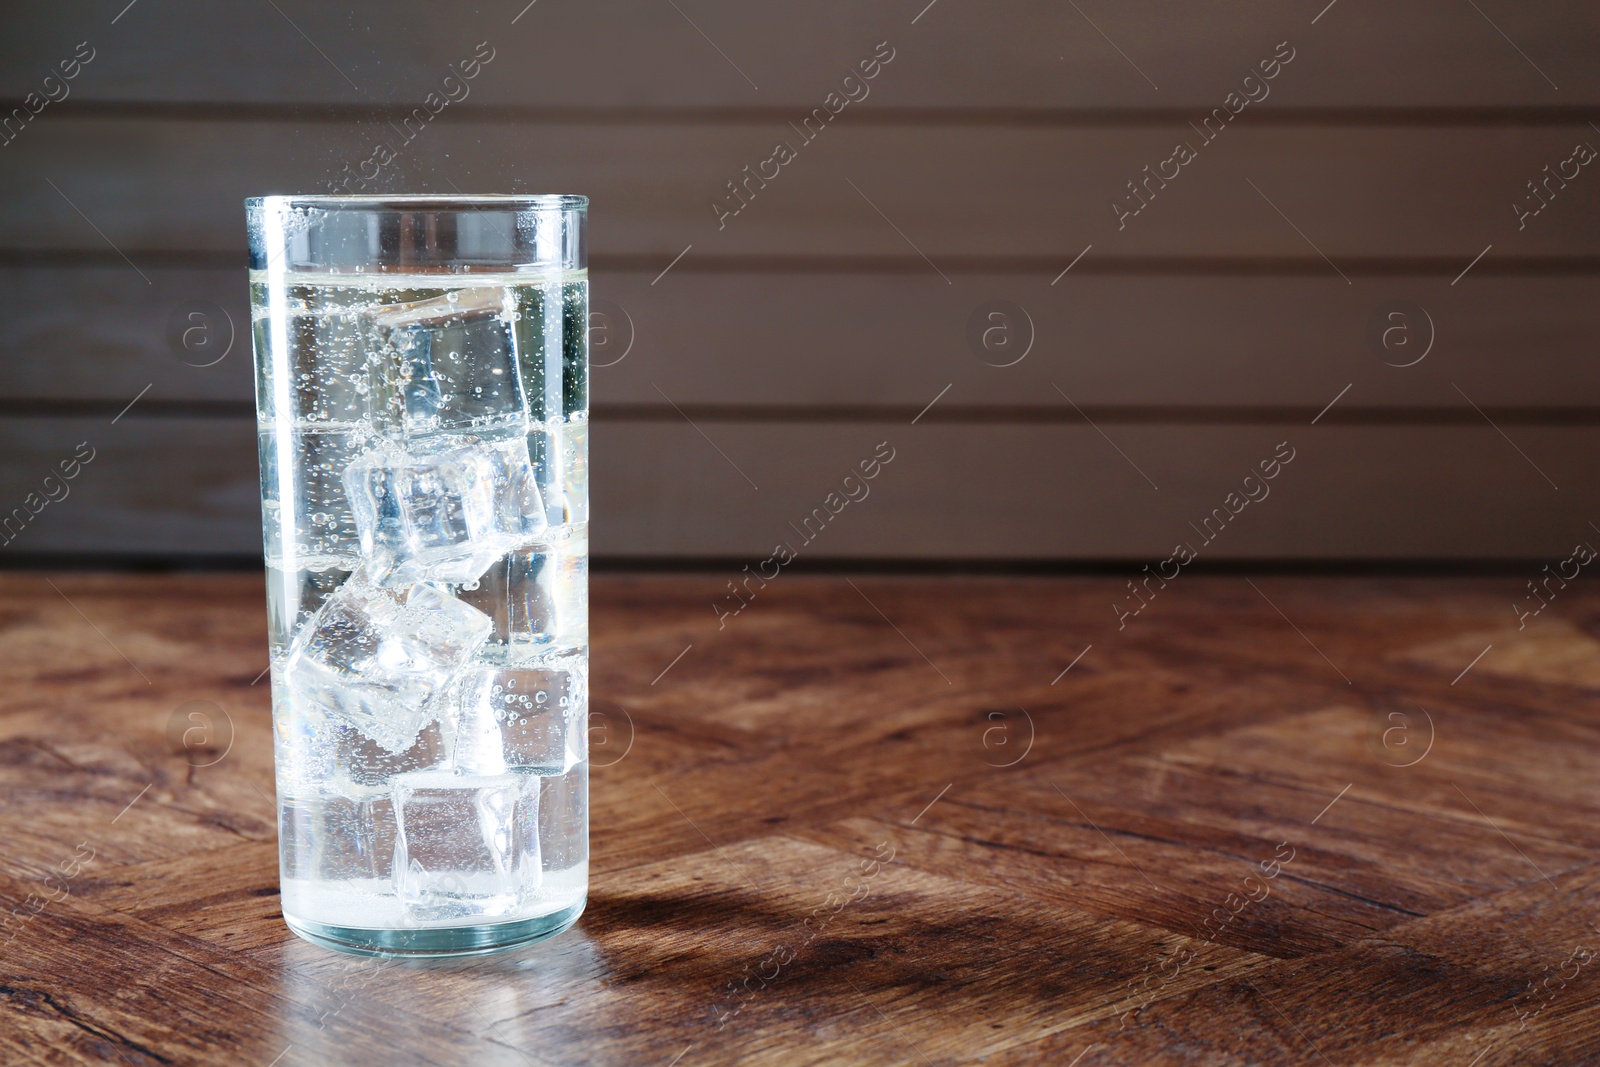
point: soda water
(424, 474)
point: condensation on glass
(423, 410)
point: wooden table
(870, 820)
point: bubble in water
(360, 384)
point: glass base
(475, 940)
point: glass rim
(421, 201)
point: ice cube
(575, 469)
(293, 597)
(544, 457)
(424, 516)
(559, 455)
(313, 746)
(378, 661)
(302, 493)
(362, 763)
(531, 718)
(301, 753)
(445, 509)
(538, 596)
(448, 363)
(328, 836)
(468, 845)
(520, 509)
(564, 819)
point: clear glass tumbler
(422, 397)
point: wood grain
(1058, 490)
(983, 163)
(620, 53)
(1366, 191)
(839, 342)
(1052, 872)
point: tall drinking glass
(422, 398)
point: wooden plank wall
(1167, 352)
